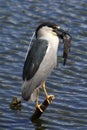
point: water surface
(18, 20)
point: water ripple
(68, 83)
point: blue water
(18, 20)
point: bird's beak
(66, 40)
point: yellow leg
(44, 88)
(48, 97)
(37, 104)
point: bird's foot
(38, 106)
(49, 98)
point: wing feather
(34, 58)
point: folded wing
(34, 58)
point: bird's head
(47, 30)
(52, 30)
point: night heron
(41, 59)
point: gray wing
(34, 58)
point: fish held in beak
(67, 42)
(67, 46)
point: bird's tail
(33, 95)
(28, 92)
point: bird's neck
(53, 41)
